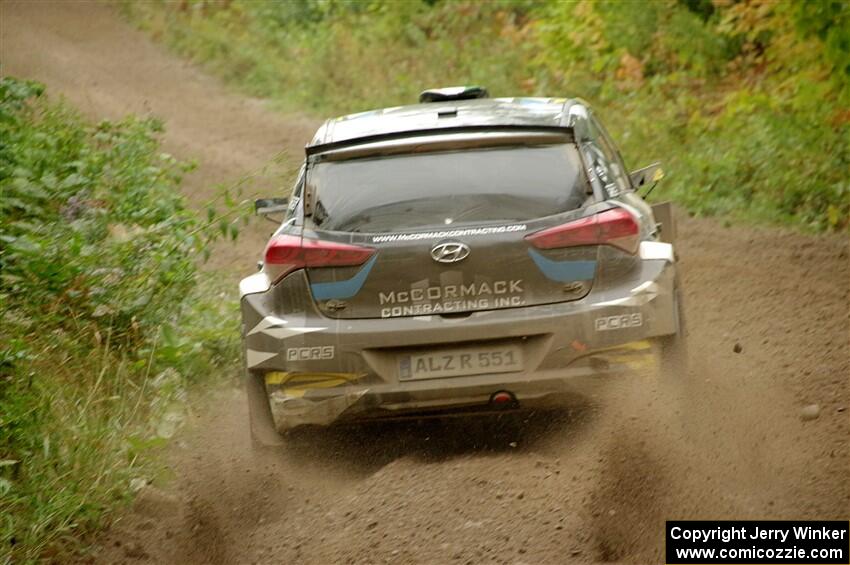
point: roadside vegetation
(105, 321)
(745, 101)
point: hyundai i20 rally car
(458, 255)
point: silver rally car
(463, 254)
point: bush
(102, 324)
(744, 101)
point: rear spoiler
(412, 135)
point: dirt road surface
(591, 483)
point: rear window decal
(448, 233)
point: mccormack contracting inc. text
(764, 542)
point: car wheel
(264, 435)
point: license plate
(460, 362)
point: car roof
(482, 112)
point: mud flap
(663, 213)
(263, 431)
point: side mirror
(267, 206)
(650, 174)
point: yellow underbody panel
(296, 384)
(636, 355)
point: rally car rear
(450, 271)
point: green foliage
(344, 56)
(744, 101)
(80, 206)
(102, 323)
(829, 21)
(735, 101)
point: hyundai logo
(451, 252)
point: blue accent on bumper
(563, 271)
(346, 288)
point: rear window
(440, 189)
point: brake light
(615, 227)
(287, 253)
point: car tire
(264, 435)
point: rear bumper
(317, 370)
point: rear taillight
(615, 227)
(287, 253)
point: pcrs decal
(620, 322)
(320, 353)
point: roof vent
(453, 93)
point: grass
(88, 437)
(105, 324)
